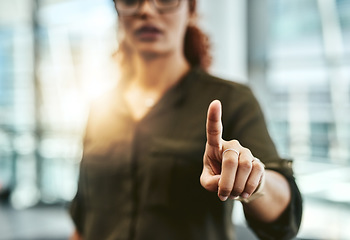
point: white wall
(225, 22)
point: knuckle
(246, 164)
(213, 143)
(250, 187)
(229, 162)
(259, 167)
(246, 151)
(238, 190)
(235, 142)
(214, 131)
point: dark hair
(196, 43)
(196, 47)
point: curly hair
(196, 47)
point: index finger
(214, 125)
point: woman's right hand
(76, 236)
(228, 168)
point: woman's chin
(152, 52)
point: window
(299, 67)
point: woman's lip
(148, 32)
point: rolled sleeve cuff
(287, 225)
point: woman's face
(151, 33)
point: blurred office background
(55, 57)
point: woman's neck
(160, 72)
(151, 79)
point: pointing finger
(214, 125)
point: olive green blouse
(140, 180)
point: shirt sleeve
(287, 225)
(249, 127)
(77, 205)
(76, 211)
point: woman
(146, 151)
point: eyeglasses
(131, 7)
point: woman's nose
(146, 8)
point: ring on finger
(230, 149)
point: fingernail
(245, 195)
(223, 198)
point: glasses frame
(139, 4)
